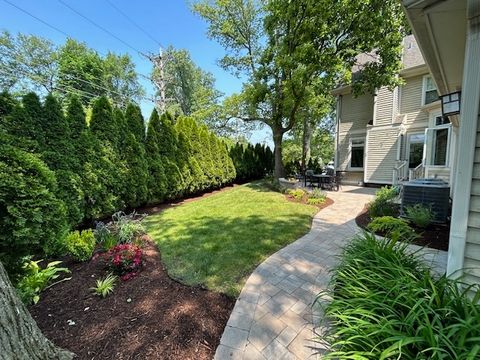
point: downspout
(337, 130)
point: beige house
(392, 136)
(448, 34)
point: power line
(101, 28)
(134, 23)
(97, 86)
(37, 18)
(64, 87)
(63, 32)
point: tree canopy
(32, 63)
(289, 49)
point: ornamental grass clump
(386, 304)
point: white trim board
(470, 105)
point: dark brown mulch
(435, 236)
(163, 320)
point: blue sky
(170, 22)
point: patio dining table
(322, 179)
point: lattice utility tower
(158, 79)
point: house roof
(412, 59)
(412, 55)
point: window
(429, 91)
(440, 147)
(415, 150)
(357, 150)
(438, 140)
(442, 120)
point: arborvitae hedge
(252, 162)
(60, 170)
(133, 154)
(32, 218)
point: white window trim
(424, 89)
(350, 153)
(433, 127)
(447, 160)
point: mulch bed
(327, 202)
(435, 236)
(163, 320)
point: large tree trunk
(307, 140)
(279, 170)
(20, 337)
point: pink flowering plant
(125, 260)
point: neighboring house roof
(411, 56)
(412, 60)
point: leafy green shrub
(315, 201)
(386, 193)
(32, 218)
(80, 244)
(392, 227)
(384, 203)
(105, 286)
(36, 279)
(421, 215)
(387, 305)
(297, 194)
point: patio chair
(332, 182)
(309, 178)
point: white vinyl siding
(381, 154)
(472, 247)
(384, 107)
(411, 100)
(344, 150)
(355, 112)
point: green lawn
(218, 241)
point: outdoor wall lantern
(451, 103)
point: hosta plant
(37, 279)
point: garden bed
(325, 204)
(150, 316)
(436, 236)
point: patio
(273, 317)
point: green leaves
(32, 216)
(37, 279)
(293, 51)
(105, 286)
(387, 304)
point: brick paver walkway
(273, 317)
